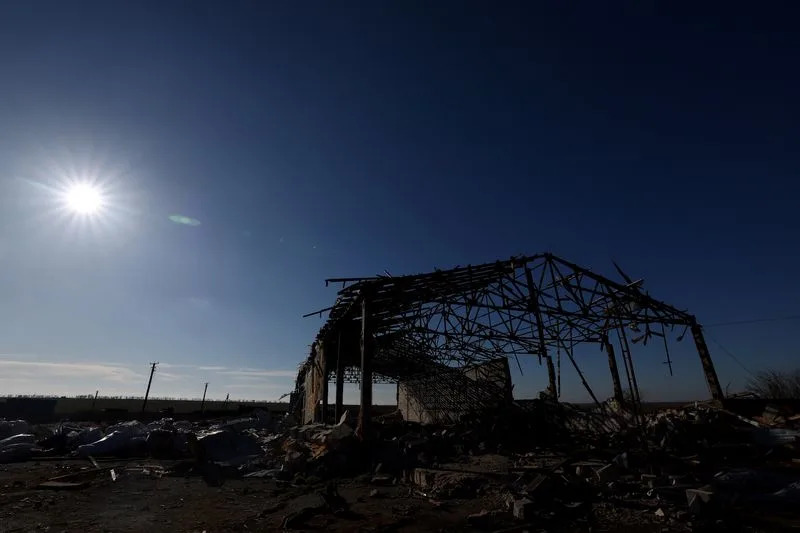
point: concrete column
(324, 363)
(708, 365)
(339, 409)
(366, 371)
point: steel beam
(366, 371)
(708, 365)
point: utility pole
(227, 397)
(149, 382)
(95, 398)
(203, 403)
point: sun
(83, 199)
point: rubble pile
(541, 462)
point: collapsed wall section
(444, 396)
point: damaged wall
(445, 394)
(314, 381)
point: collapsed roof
(524, 306)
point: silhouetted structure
(399, 328)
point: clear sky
(317, 139)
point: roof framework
(524, 306)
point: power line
(730, 354)
(753, 321)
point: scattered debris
(697, 463)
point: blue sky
(317, 139)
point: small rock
(660, 513)
(374, 493)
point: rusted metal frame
(318, 312)
(579, 290)
(457, 339)
(626, 365)
(708, 366)
(562, 283)
(628, 358)
(339, 402)
(512, 287)
(557, 289)
(668, 362)
(424, 320)
(593, 290)
(533, 307)
(493, 307)
(555, 310)
(623, 288)
(612, 366)
(349, 280)
(364, 413)
(558, 371)
(487, 332)
(570, 321)
(488, 304)
(463, 320)
(562, 316)
(473, 334)
(545, 271)
(554, 282)
(594, 316)
(505, 316)
(585, 383)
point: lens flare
(83, 199)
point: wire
(752, 321)
(729, 354)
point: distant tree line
(165, 398)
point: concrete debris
(120, 439)
(13, 453)
(541, 462)
(13, 427)
(227, 447)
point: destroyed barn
(459, 452)
(426, 331)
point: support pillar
(339, 409)
(366, 371)
(612, 365)
(324, 364)
(708, 365)
(551, 374)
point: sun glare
(83, 199)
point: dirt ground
(143, 498)
(140, 500)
